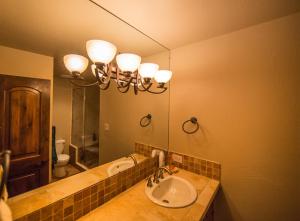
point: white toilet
(62, 159)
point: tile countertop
(133, 204)
(33, 200)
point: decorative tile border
(203, 167)
(86, 200)
(200, 166)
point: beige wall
(242, 87)
(27, 64)
(62, 109)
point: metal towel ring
(148, 117)
(193, 120)
(5, 155)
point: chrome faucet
(133, 158)
(159, 173)
(149, 181)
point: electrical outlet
(177, 158)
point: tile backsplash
(82, 202)
(200, 166)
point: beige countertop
(28, 202)
(133, 203)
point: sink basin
(172, 191)
(119, 166)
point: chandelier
(129, 72)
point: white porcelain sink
(119, 166)
(173, 192)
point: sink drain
(166, 201)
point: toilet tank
(60, 145)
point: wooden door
(24, 129)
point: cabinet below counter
(133, 204)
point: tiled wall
(196, 165)
(80, 203)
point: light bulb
(100, 51)
(75, 63)
(148, 70)
(128, 62)
(163, 76)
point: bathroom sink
(119, 166)
(172, 191)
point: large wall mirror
(94, 126)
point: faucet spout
(133, 158)
(166, 169)
(158, 174)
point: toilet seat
(62, 160)
(63, 157)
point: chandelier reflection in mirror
(129, 72)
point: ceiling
(59, 27)
(176, 23)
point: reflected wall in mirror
(120, 116)
(91, 127)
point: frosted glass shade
(148, 70)
(75, 63)
(128, 62)
(163, 76)
(101, 51)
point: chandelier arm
(123, 91)
(158, 92)
(145, 88)
(100, 79)
(154, 92)
(105, 87)
(82, 85)
(120, 89)
(128, 82)
(118, 77)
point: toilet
(62, 159)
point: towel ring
(148, 118)
(193, 120)
(5, 155)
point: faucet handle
(155, 177)
(149, 181)
(161, 174)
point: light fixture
(148, 70)
(101, 51)
(76, 64)
(128, 72)
(163, 76)
(128, 62)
